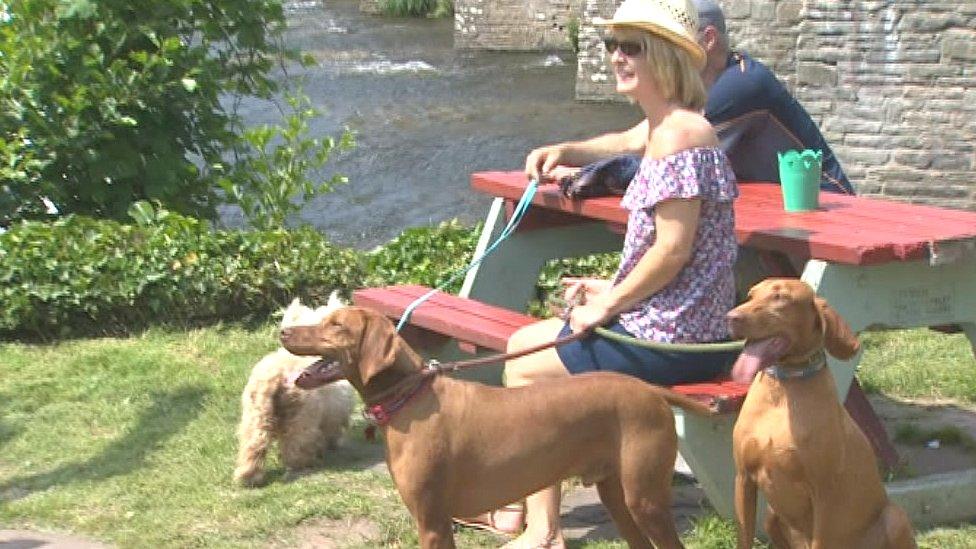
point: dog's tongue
(757, 355)
(315, 367)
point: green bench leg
(706, 444)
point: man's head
(713, 37)
(710, 15)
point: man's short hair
(710, 13)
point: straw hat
(674, 20)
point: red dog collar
(382, 412)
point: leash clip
(570, 305)
(434, 365)
(567, 312)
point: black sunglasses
(626, 47)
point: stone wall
(892, 84)
(514, 24)
(371, 6)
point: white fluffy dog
(305, 423)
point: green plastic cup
(799, 177)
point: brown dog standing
(457, 448)
(794, 440)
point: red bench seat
(478, 325)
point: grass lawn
(131, 441)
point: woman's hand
(540, 162)
(560, 172)
(589, 302)
(595, 312)
(578, 290)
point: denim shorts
(596, 353)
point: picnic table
(880, 264)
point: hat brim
(689, 45)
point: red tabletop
(845, 229)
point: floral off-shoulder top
(692, 307)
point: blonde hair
(674, 72)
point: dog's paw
(248, 478)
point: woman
(674, 283)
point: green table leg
(907, 295)
(507, 276)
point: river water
(425, 115)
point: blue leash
(520, 209)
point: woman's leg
(542, 365)
(542, 508)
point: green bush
(572, 29)
(277, 164)
(549, 290)
(107, 102)
(419, 8)
(80, 276)
(424, 255)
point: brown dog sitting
(457, 448)
(794, 440)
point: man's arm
(541, 161)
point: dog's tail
(254, 433)
(684, 402)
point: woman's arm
(676, 223)
(542, 160)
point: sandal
(506, 521)
(548, 543)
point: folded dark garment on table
(601, 178)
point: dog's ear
(378, 346)
(839, 339)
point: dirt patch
(928, 454)
(24, 539)
(336, 533)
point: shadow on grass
(356, 454)
(8, 430)
(351, 455)
(586, 520)
(168, 414)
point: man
(753, 113)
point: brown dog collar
(814, 364)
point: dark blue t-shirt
(756, 117)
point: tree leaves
(281, 164)
(97, 96)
